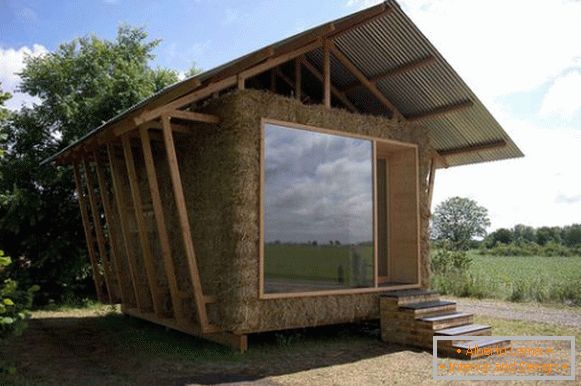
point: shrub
(14, 302)
(445, 261)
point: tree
(547, 234)
(80, 85)
(524, 233)
(572, 235)
(501, 235)
(458, 220)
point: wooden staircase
(414, 317)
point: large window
(340, 213)
(318, 211)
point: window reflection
(318, 211)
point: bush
(14, 303)
(445, 261)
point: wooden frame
(348, 291)
(88, 233)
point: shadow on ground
(115, 349)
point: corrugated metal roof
(375, 47)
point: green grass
(517, 278)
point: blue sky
(521, 57)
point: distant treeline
(523, 240)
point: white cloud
(501, 47)
(543, 188)
(564, 96)
(11, 63)
(230, 16)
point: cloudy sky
(521, 57)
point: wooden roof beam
(194, 116)
(474, 148)
(338, 94)
(394, 71)
(363, 79)
(439, 111)
(361, 18)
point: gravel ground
(532, 312)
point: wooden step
(493, 344)
(469, 329)
(410, 296)
(430, 307)
(439, 322)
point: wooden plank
(474, 148)
(363, 79)
(359, 19)
(186, 100)
(338, 94)
(182, 213)
(298, 78)
(121, 201)
(194, 116)
(97, 278)
(431, 179)
(394, 72)
(243, 63)
(142, 227)
(439, 111)
(241, 83)
(112, 236)
(161, 226)
(98, 230)
(326, 75)
(276, 61)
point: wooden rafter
(96, 216)
(363, 79)
(162, 232)
(362, 18)
(278, 60)
(393, 72)
(194, 116)
(338, 94)
(473, 148)
(121, 204)
(97, 278)
(326, 75)
(439, 111)
(111, 235)
(144, 241)
(181, 102)
(298, 78)
(184, 222)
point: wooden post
(182, 212)
(326, 75)
(88, 234)
(431, 179)
(161, 226)
(273, 79)
(112, 236)
(98, 229)
(141, 227)
(139, 291)
(298, 79)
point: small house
(288, 188)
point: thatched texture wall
(221, 172)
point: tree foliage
(458, 220)
(80, 85)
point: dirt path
(532, 312)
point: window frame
(374, 141)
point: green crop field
(518, 278)
(322, 263)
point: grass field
(518, 278)
(321, 263)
